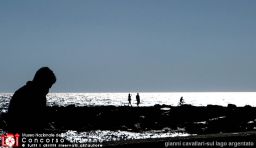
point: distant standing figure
(138, 99)
(27, 107)
(129, 99)
(181, 101)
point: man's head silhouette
(44, 78)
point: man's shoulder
(23, 90)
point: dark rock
(217, 118)
(231, 106)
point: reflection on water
(152, 98)
(147, 99)
(106, 135)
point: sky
(130, 45)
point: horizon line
(145, 92)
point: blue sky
(130, 45)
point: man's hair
(44, 75)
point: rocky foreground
(208, 123)
(191, 119)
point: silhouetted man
(27, 107)
(129, 99)
(138, 99)
(181, 101)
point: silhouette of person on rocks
(138, 99)
(129, 99)
(27, 107)
(181, 101)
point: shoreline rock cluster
(188, 118)
(208, 123)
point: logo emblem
(10, 140)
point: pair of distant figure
(137, 99)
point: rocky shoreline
(191, 119)
(206, 122)
(188, 118)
